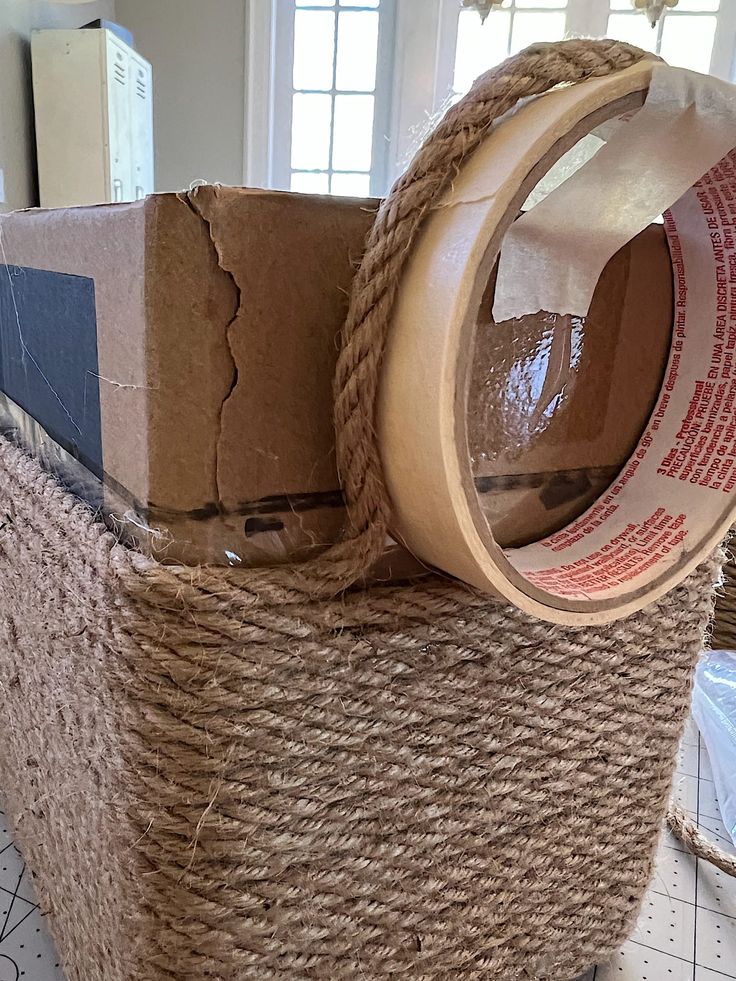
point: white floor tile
(717, 892)
(688, 760)
(708, 806)
(716, 829)
(703, 974)
(685, 793)
(691, 735)
(706, 771)
(674, 875)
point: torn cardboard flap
(291, 259)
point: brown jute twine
(263, 775)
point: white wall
(197, 50)
(17, 149)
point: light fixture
(653, 8)
(484, 7)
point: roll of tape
(676, 496)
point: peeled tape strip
(554, 254)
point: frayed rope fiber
(249, 775)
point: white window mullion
(445, 47)
(416, 74)
(381, 169)
(281, 94)
(258, 102)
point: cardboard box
(182, 349)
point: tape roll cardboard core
(675, 498)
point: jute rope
(724, 623)
(689, 833)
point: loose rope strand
(690, 834)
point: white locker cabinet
(94, 118)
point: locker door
(120, 134)
(141, 112)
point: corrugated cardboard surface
(218, 314)
(106, 244)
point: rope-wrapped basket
(279, 774)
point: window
(696, 34)
(330, 69)
(354, 84)
(685, 37)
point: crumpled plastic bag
(714, 710)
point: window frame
(269, 61)
(415, 67)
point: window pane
(540, 3)
(529, 27)
(352, 185)
(310, 183)
(353, 136)
(634, 28)
(315, 3)
(479, 47)
(357, 48)
(310, 132)
(314, 40)
(359, 3)
(687, 42)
